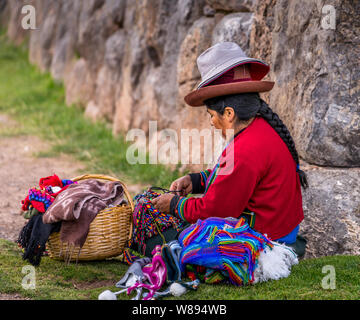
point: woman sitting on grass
(258, 172)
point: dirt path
(21, 170)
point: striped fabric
(149, 222)
(180, 207)
(204, 176)
(211, 178)
(226, 245)
(207, 178)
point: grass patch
(38, 104)
(54, 279)
(86, 280)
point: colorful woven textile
(228, 245)
(43, 196)
(149, 222)
(34, 235)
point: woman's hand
(183, 184)
(162, 202)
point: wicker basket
(108, 233)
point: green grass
(55, 280)
(38, 104)
(86, 280)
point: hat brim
(197, 97)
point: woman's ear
(229, 113)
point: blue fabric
(290, 238)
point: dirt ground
(21, 170)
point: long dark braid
(273, 119)
(246, 106)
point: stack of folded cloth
(78, 206)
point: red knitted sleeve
(226, 196)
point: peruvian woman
(257, 176)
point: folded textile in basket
(78, 206)
(40, 198)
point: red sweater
(261, 176)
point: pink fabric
(155, 273)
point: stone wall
(133, 61)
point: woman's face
(222, 122)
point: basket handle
(99, 176)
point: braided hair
(248, 105)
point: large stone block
(109, 76)
(317, 86)
(196, 41)
(332, 211)
(97, 21)
(80, 83)
(234, 27)
(65, 39)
